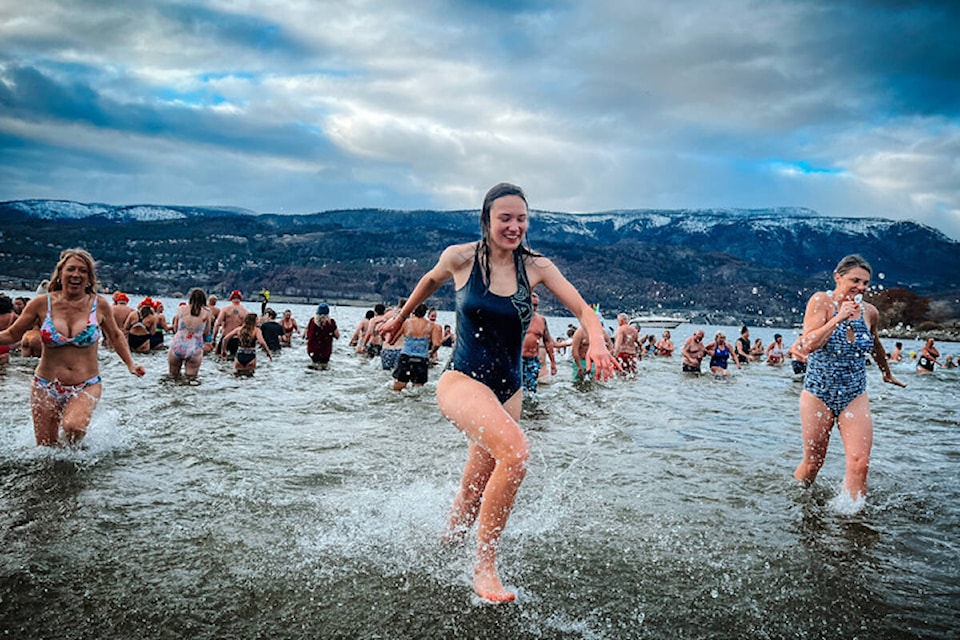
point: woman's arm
(108, 325)
(28, 319)
(450, 260)
(819, 325)
(597, 353)
(872, 316)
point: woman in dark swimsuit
(249, 336)
(928, 357)
(480, 390)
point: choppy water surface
(309, 504)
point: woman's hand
(849, 310)
(390, 329)
(888, 377)
(601, 360)
(136, 369)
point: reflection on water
(309, 504)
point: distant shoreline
(951, 334)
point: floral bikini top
(53, 338)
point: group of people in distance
(495, 351)
(722, 352)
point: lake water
(309, 504)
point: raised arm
(819, 322)
(450, 260)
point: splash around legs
(496, 465)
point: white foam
(845, 505)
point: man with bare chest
(230, 318)
(537, 334)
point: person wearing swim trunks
(480, 392)
(626, 344)
(193, 321)
(247, 337)
(929, 355)
(390, 351)
(693, 352)
(537, 337)
(839, 332)
(72, 318)
(414, 362)
(229, 320)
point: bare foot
(488, 586)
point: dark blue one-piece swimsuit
(490, 331)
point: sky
(850, 108)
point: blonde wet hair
(850, 262)
(56, 282)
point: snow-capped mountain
(69, 210)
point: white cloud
(589, 106)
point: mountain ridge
(752, 264)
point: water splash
(844, 504)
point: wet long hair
(248, 332)
(483, 248)
(56, 282)
(198, 300)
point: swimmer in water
(839, 331)
(480, 392)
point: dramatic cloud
(851, 107)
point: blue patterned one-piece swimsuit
(837, 372)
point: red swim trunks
(628, 362)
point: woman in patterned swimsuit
(839, 332)
(193, 322)
(72, 318)
(480, 390)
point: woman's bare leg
(490, 427)
(816, 422)
(46, 417)
(78, 412)
(466, 505)
(856, 429)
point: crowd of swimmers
(199, 327)
(501, 348)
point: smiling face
(75, 276)
(75, 272)
(851, 283)
(508, 222)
